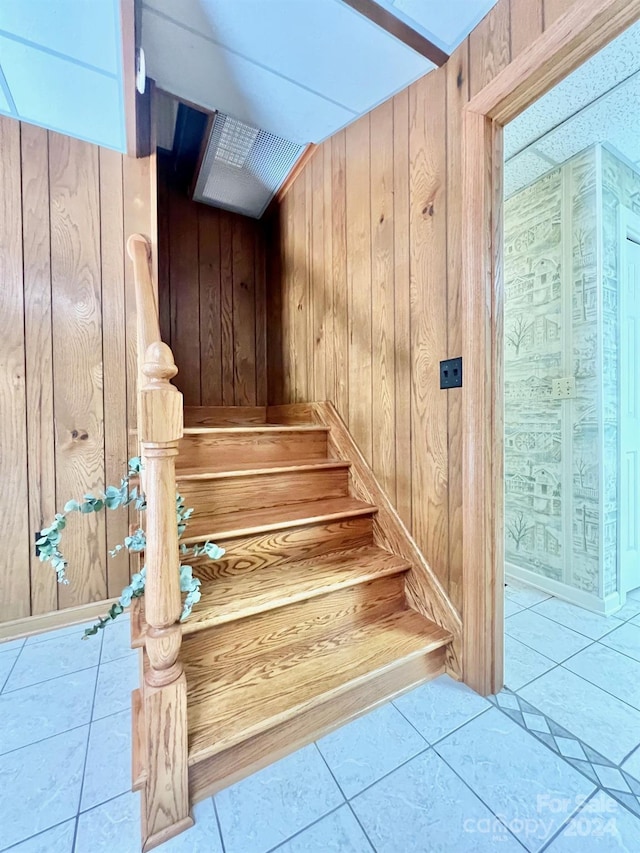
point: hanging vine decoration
(121, 497)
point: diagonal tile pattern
(552, 763)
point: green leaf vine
(121, 497)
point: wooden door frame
(578, 34)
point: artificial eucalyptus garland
(115, 497)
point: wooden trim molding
(30, 625)
(299, 165)
(398, 29)
(578, 34)
(584, 29)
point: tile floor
(551, 763)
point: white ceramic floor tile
(46, 709)
(606, 724)
(338, 832)
(634, 593)
(614, 672)
(513, 773)
(625, 639)
(40, 785)
(603, 826)
(438, 707)
(204, 837)
(116, 642)
(524, 595)
(7, 661)
(269, 807)
(522, 664)
(365, 750)
(43, 661)
(70, 630)
(108, 770)
(511, 607)
(630, 609)
(423, 807)
(116, 680)
(550, 639)
(59, 839)
(111, 827)
(11, 645)
(592, 625)
(632, 764)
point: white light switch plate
(563, 389)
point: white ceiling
(599, 102)
(61, 67)
(300, 69)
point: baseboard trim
(604, 606)
(29, 625)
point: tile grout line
(347, 801)
(478, 797)
(611, 792)
(217, 816)
(86, 754)
(578, 812)
(38, 834)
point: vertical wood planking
(114, 350)
(185, 296)
(64, 423)
(209, 290)
(286, 287)
(490, 46)
(402, 298)
(14, 578)
(428, 259)
(164, 247)
(77, 357)
(300, 347)
(317, 278)
(457, 96)
(340, 343)
(38, 355)
(329, 308)
(307, 391)
(526, 24)
(244, 314)
(382, 299)
(226, 310)
(358, 224)
(260, 266)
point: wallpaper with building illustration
(561, 320)
(620, 186)
(551, 331)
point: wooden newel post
(165, 808)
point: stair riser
(257, 491)
(227, 449)
(211, 775)
(296, 543)
(216, 416)
(296, 623)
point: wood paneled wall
(212, 299)
(67, 355)
(364, 281)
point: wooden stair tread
(233, 524)
(238, 469)
(270, 689)
(236, 595)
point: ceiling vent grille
(243, 167)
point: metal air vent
(243, 167)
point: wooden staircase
(304, 623)
(321, 609)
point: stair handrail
(165, 801)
